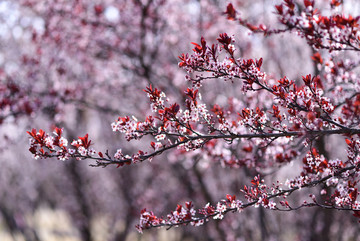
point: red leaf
(58, 131)
(32, 133)
(353, 195)
(99, 9)
(317, 58)
(230, 198)
(178, 208)
(335, 3)
(248, 148)
(188, 205)
(231, 12)
(279, 9)
(85, 141)
(356, 214)
(308, 3)
(259, 63)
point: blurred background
(79, 65)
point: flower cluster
(334, 33)
(14, 100)
(206, 59)
(184, 215)
(43, 145)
